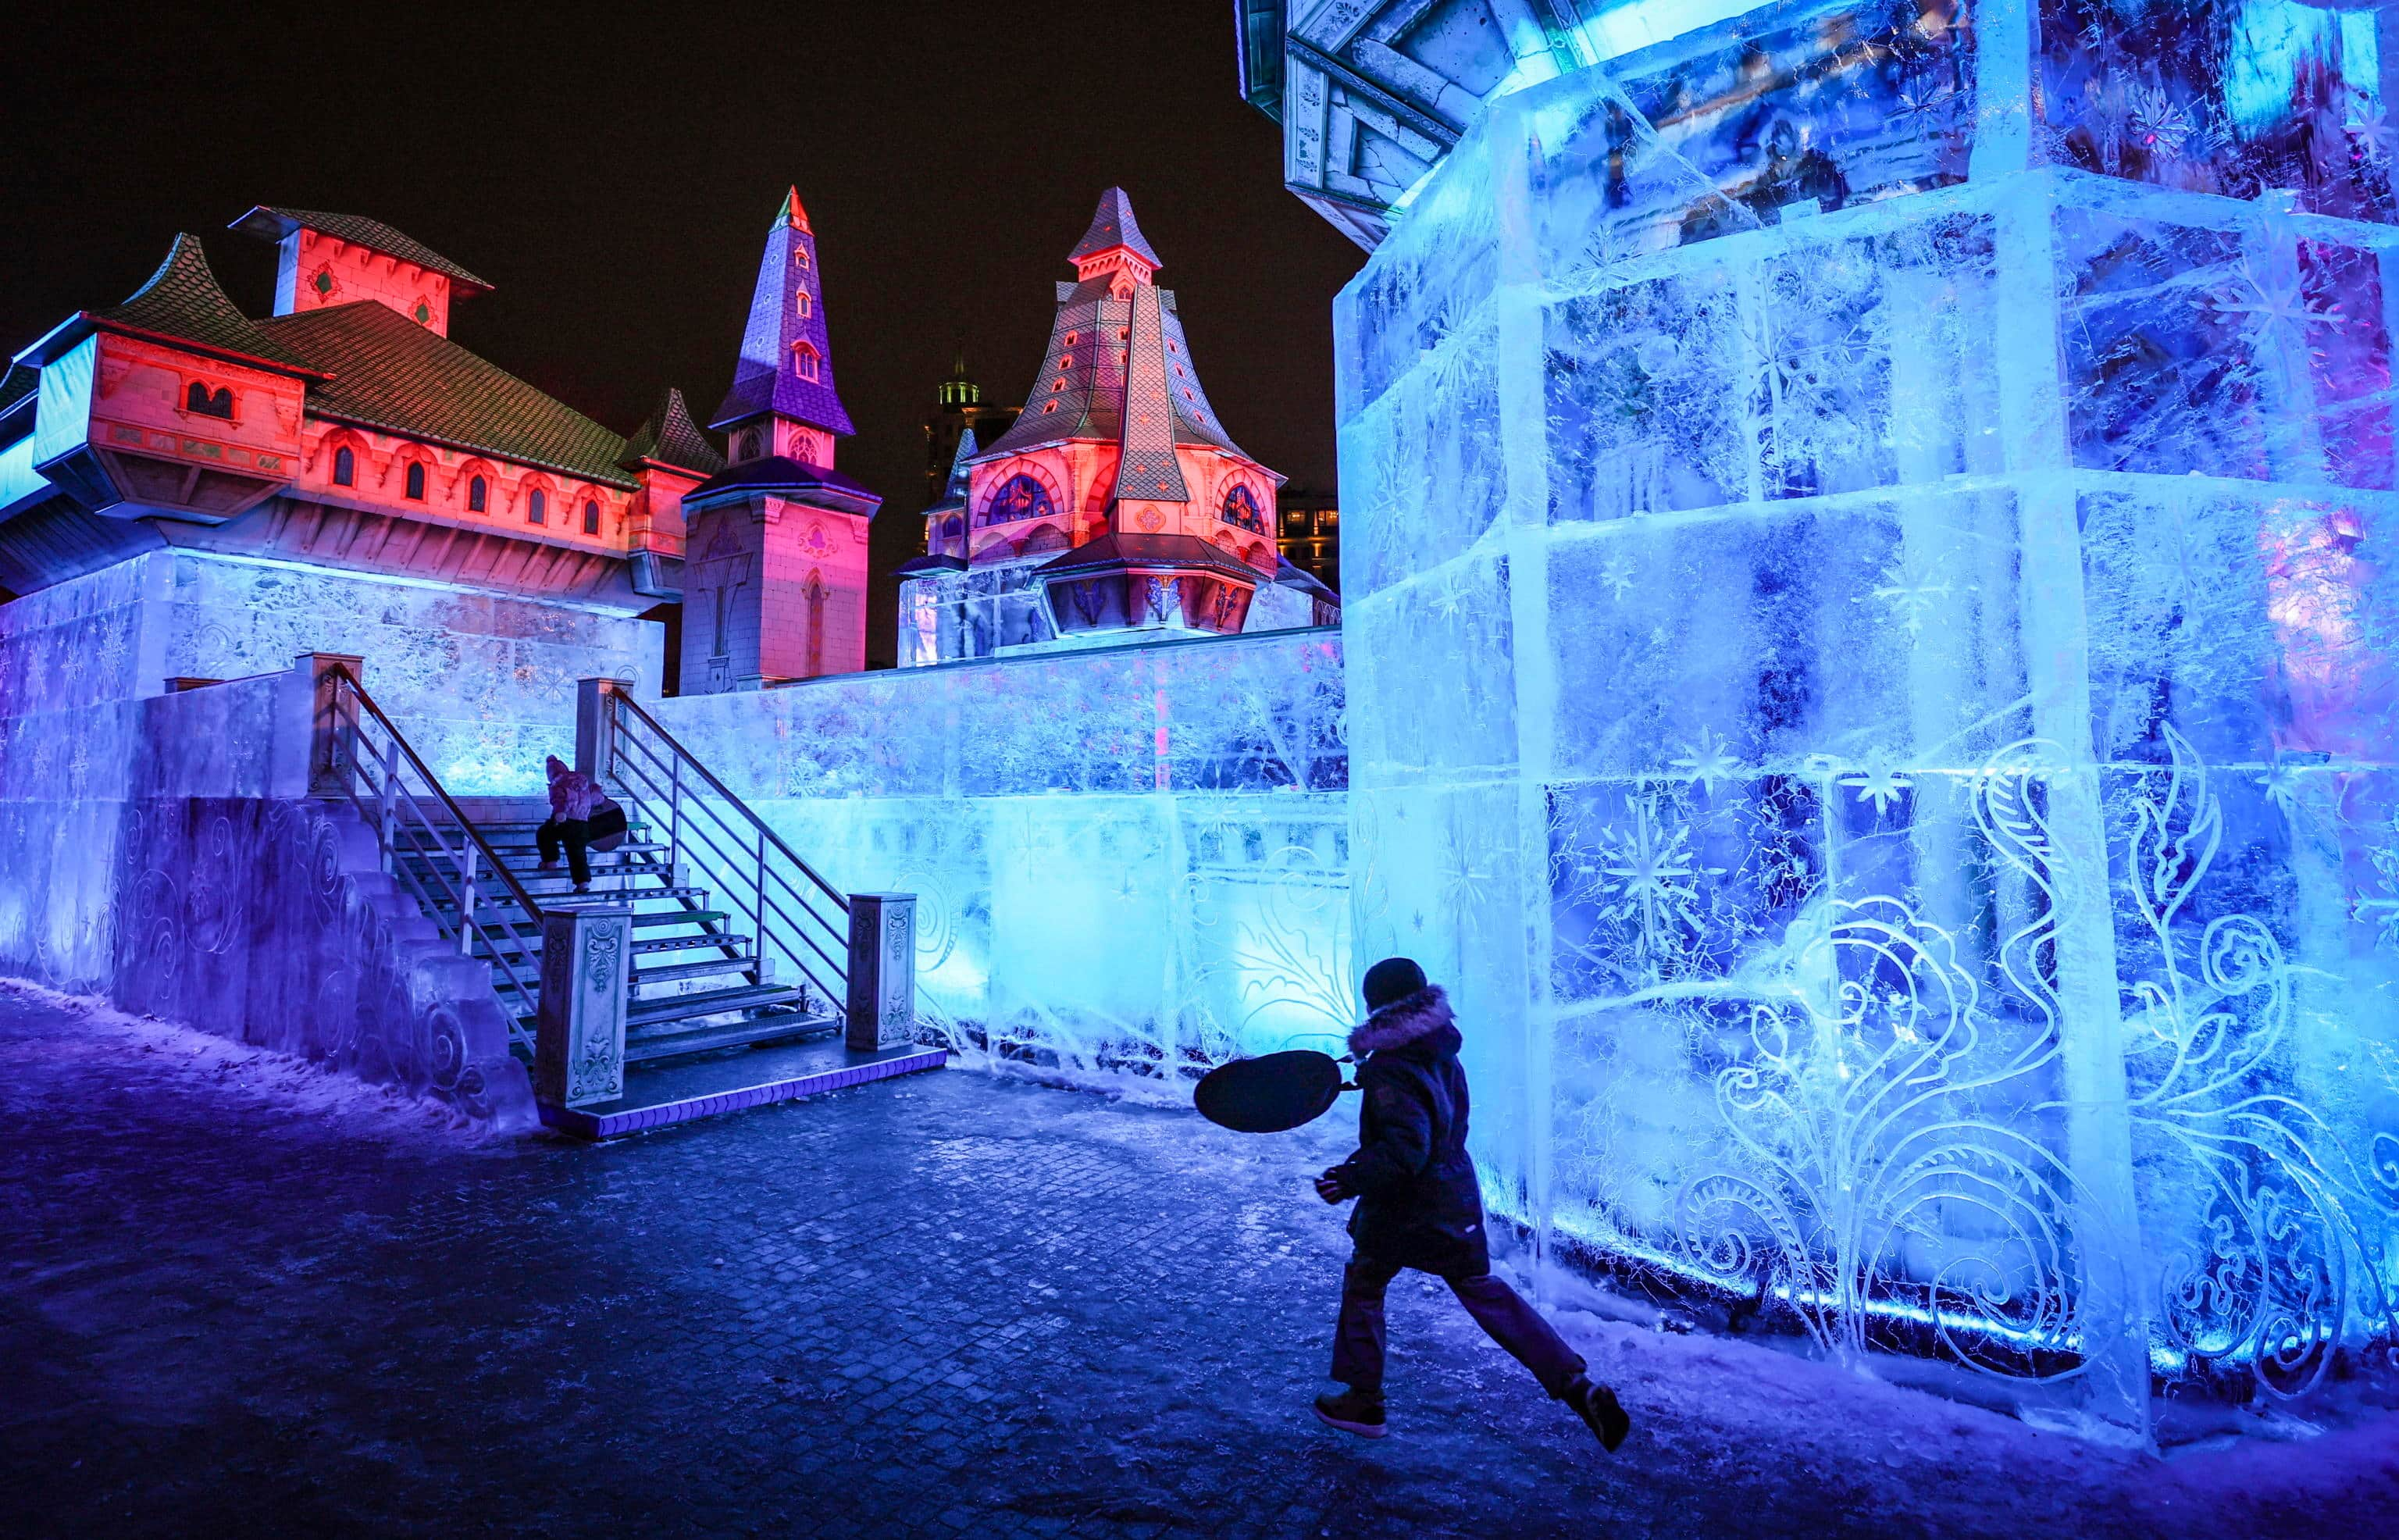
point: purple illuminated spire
(786, 364)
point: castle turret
(1117, 500)
(774, 554)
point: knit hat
(1392, 979)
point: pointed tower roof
(1147, 468)
(1113, 226)
(1087, 388)
(955, 491)
(180, 302)
(786, 363)
(670, 438)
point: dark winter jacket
(1419, 1203)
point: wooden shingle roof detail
(269, 222)
(670, 437)
(391, 374)
(182, 302)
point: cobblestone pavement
(236, 1299)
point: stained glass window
(1018, 497)
(1241, 508)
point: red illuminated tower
(1117, 501)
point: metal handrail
(671, 792)
(516, 888)
(395, 804)
(731, 847)
(627, 703)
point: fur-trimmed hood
(1405, 1021)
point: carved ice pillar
(882, 970)
(579, 1035)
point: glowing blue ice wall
(1129, 863)
(1872, 669)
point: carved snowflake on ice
(1618, 575)
(1879, 784)
(1648, 873)
(2372, 129)
(2273, 307)
(2157, 122)
(1709, 760)
(1914, 589)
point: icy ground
(240, 1297)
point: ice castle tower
(1871, 662)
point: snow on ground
(241, 1296)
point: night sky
(613, 173)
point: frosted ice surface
(1872, 672)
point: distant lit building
(958, 410)
(1115, 507)
(1308, 532)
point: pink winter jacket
(572, 794)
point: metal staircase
(705, 952)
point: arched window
(345, 467)
(804, 305)
(416, 480)
(799, 256)
(803, 359)
(216, 403)
(1241, 508)
(536, 507)
(1018, 497)
(590, 518)
(478, 493)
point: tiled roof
(768, 376)
(1122, 549)
(670, 437)
(1147, 468)
(1113, 224)
(182, 301)
(1080, 391)
(393, 375)
(781, 473)
(272, 223)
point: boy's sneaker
(1598, 1406)
(1352, 1411)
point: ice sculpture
(1872, 667)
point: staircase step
(677, 1007)
(649, 1049)
(644, 921)
(638, 894)
(665, 972)
(529, 949)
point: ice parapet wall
(1871, 664)
(1130, 863)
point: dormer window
(536, 507)
(591, 518)
(478, 493)
(805, 305)
(209, 404)
(416, 482)
(804, 360)
(345, 467)
(799, 256)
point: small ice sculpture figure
(1872, 667)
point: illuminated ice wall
(1872, 667)
(1130, 862)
